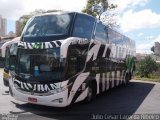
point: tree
(89, 8)
(37, 12)
(49, 11)
(98, 7)
(147, 66)
(152, 49)
(22, 22)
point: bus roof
(62, 12)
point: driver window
(76, 60)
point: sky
(137, 19)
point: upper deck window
(48, 25)
(101, 32)
(83, 26)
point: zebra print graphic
(97, 49)
(77, 84)
(35, 88)
(105, 81)
(40, 45)
(108, 80)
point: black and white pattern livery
(103, 66)
(40, 45)
(115, 72)
(92, 58)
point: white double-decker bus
(63, 58)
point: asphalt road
(136, 98)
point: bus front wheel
(91, 94)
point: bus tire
(91, 94)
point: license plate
(30, 99)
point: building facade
(3, 26)
(18, 27)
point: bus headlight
(57, 90)
(61, 89)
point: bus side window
(101, 32)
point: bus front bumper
(55, 100)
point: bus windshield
(48, 25)
(41, 64)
